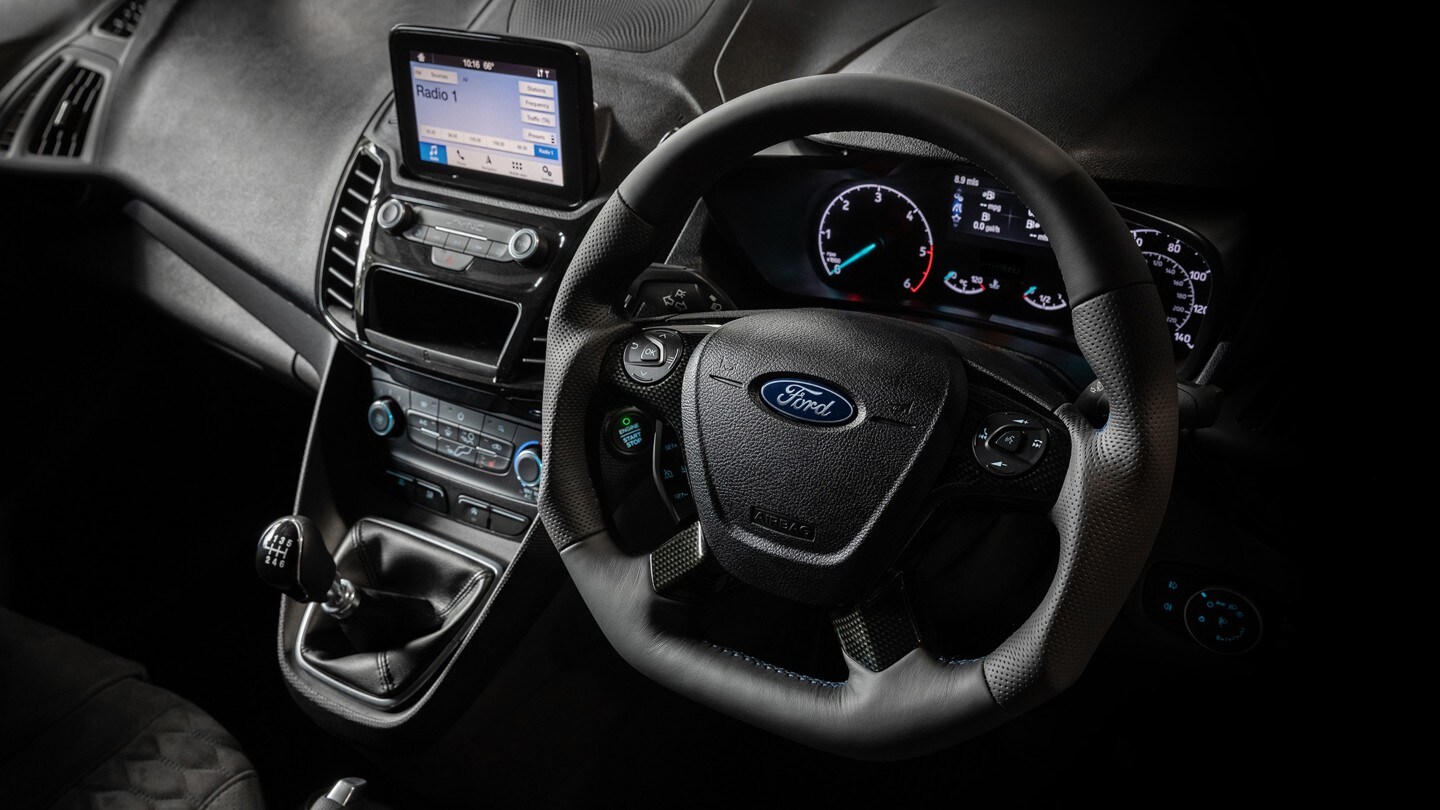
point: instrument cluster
(951, 240)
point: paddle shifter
(292, 558)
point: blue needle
(860, 254)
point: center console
(457, 213)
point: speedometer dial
(874, 239)
(1182, 276)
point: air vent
(17, 115)
(123, 19)
(341, 260)
(68, 113)
(532, 354)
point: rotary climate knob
(384, 417)
(528, 464)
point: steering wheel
(813, 493)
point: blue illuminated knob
(384, 418)
(1222, 621)
(528, 464)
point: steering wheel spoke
(683, 570)
(879, 630)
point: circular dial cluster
(875, 239)
(1183, 277)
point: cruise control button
(449, 259)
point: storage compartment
(435, 324)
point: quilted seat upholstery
(80, 728)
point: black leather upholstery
(80, 728)
(415, 595)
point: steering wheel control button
(1011, 440)
(645, 351)
(673, 475)
(1222, 621)
(650, 356)
(1010, 443)
(447, 259)
(628, 431)
(394, 215)
(384, 418)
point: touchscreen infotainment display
(509, 115)
(492, 117)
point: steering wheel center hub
(782, 410)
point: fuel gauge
(1044, 298)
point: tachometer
(1182, 276)
(874, 239)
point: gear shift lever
(291, 557)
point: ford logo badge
(807, 401)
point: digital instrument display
(509, 115)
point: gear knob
(291, 557)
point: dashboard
(941, 239)
(392, 245)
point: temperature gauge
(965, 285)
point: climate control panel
(495, 456)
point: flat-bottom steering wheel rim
(1110, 505)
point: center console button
(494, 464)
(469, 436)
(424, 403)
(499, 428)
(449, 259)
(430, 496)
(508, 523)
(421, 422)
(461, 415)
(463, 453)
(474, 512)
(449, 432)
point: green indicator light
(625, 420)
